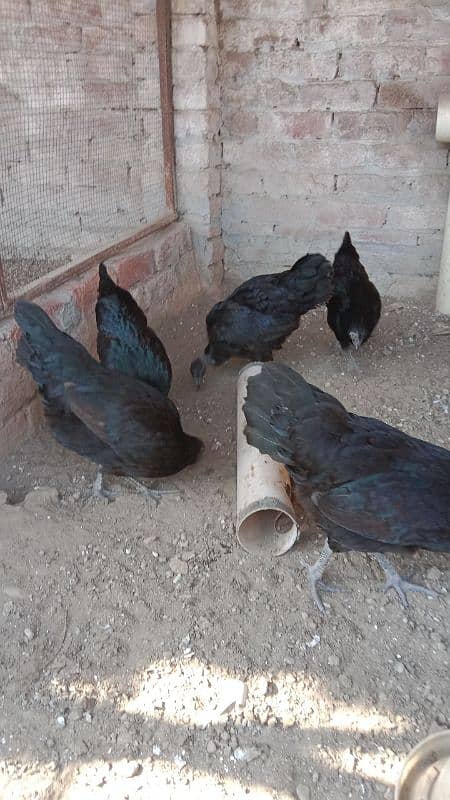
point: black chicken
(355, 307)
(115, 420)
(372, 487)
(124, 341)
(261, 313)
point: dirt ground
(144, 654)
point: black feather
(125, 342)
(115, 420)
(374, 488)
(355, 306)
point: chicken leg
(397, 583)
(315, 577)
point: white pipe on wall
(266, 523)
(443, 135)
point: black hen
(114, 420)
(373, 488)
(261, 313)
(355, 306)
(124, 341)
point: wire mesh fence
(81, 143)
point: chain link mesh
(81, 151)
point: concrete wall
(161, 272)
(329, 111)
(198, 120)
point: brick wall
(198, 120)
(81, 155)
(329, 111)
(161, 272)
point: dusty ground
(126, 628)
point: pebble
(179, 762)
(302, 792)
(211, 747)
(246, 754)
(28, 633)
(87, 716)
(232, 693)
(333, 661)
(8, 608)
(156, 750)
(398, 667)
(13, 592)
(133, 769)
(178, 566)
(61, 721)
(44, 495)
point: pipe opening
(267, 531)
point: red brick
(73, 11)
(299, 125)
(422, 218)
(411, 94)
(385, 62)
(374, 126)
(102, 38)
(331, 96)
(17, 11)
(42, 39)
(241, 123)
(417, 24)
(437, 61)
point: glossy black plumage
(376, 488)
(125, 342)
(113, 419)
(355, 307)
(260, 314)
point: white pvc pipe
(443, 135)
(266, 523)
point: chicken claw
(315, 577)
(398, 584)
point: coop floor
(122, 625)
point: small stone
(398, 667)
(28, 633)
(178, 566)
(302, 792)
(333, 661)
(233, 693)
(156, 750)
(211, 747)
(133, 769)
(315, 777)
(87, 716)
(43, 496)
(433, 574)
(246, 754)
(179, 762)
(61, 721)
(8, 608)
(262, 687)
(288, 720)
(13, 592)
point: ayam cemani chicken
(260, 314)
(122, 424)
(125, 342)
(355, 307)
(372, 488)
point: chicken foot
(154, 491)
(315, 577)
(397, 583)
